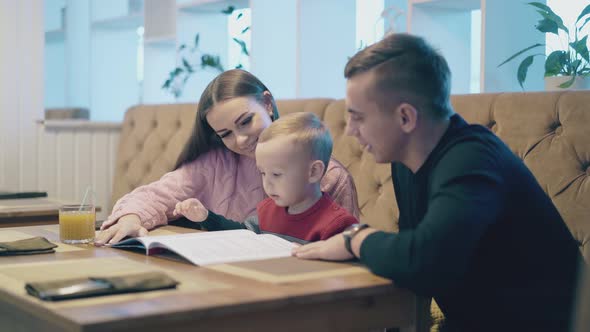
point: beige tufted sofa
(550, 131)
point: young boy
(291, 155)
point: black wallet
(24, 194)
(99, 286)
(31, 246)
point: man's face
(285, 169)
(377, 130)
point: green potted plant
(192, 59)
(568, 66)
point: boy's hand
(192, 209)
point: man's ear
(316, 171)
(408, 117)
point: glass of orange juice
(76, 223)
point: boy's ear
(316, 171)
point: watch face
(351, 229)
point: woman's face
(239, 122)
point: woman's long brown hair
(228, 85)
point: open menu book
(205, 248)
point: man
(477, 232)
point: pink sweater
(226, 183)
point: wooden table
(284, 294)
(30, 211)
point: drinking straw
(88, 189)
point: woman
(217, 165)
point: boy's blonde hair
(309, 132)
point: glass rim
(76, 206)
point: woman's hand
(127, 225)
(192, 209)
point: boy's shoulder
(334, 208)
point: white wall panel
(75, 155)
(47, 165)
(21, 91)
(65, 164)
(83, 163)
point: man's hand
(192, 209)
(127, 225)
(331, 249)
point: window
(568, 10)
(369, 23)
(238, 27)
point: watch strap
(350, 233)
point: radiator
(74, 155)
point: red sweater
(324, 219)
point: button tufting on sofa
(555, 125)
(559, 130)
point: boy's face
(285, 169)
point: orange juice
(75, 225)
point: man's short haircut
(308, 130)
(406, 69)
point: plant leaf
(587, 20)
(242, 45)
(187, 65)
(584, 12)
(576, 65)
(239, 66)
(547, 25)
(196, 40)
(208, 60)
(581, 47)
(245, 29)
(228, 10)
(523, 69)
(548, 14)
(239, 16)
(569, 83)
(181, 47)
(540, 6)
(520, 52)
(177, 71)
(166, 84)
(218, 64)
(555, 63)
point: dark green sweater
(479, 235)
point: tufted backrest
(550, 131)
(152, 137)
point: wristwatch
(349, 233)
